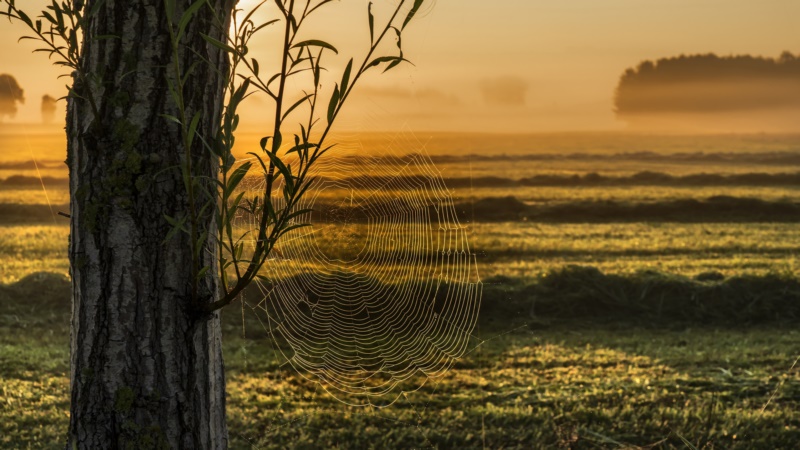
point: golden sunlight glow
(513, 66)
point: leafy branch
(298, 58)
(59, 30)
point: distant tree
(49, 109)
(709, 83)
(151, 121)
(10, 94)
(787, 58)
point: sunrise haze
(506, 66)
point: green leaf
(325, 150)
(295, 105)
(686, 442)
(298, 61)
(192, 129)
(316, 73)
(303, 133)
(287, 174)
(392, 60)
(299, 212)
(316, 43)
(264, 279)
(279, 3)
(234, 205)
(322, 3)
(187, 17)
(59, 15)
(413, 12)
(218, 44)
(202, 272)
(394, 64)
(177, 225)
(200, 244)
(277, 141)
(264, 141)
(333, 104)
(231, 213)
(264, 25)
(399, 40)
(371, 23)
(260, 161)
(273, 78)
(239, 93)
(24, 17)
(98, 4)
(238, 175)
(175, 222)
(303, 188)
(299, 147)
(49, 17)
(172, 118)
(169, 6)
(173, 92)
(346, 76)
(271, 211)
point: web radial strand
(380, 292)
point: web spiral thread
(381, 292)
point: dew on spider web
(381, 292)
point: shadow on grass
(567, 296)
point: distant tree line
(709, 83)
(10, 94)
(49, 109)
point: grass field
(526, 249)
(654, 330)
(572, 385)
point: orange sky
(504, 65)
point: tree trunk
(146, 370)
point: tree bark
(146, 370)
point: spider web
(380, 293)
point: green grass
(525, 249)
(558, 195)
(578, 359)
(528, 249)
(545, 389)
(29, 249)
(575, 384)
(33, 196)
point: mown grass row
(717, 209)
(648, 299)
(33, 195)
(520, 249)
(592, 179)
(573, 293)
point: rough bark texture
(146, 372)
